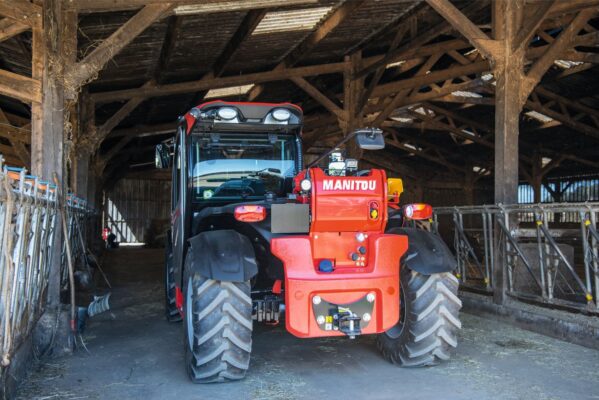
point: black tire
(170, 305)
(217, 327)
(427, 329)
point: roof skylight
(293, 20)
(229, 91)
(539, 117)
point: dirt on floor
(133, 353)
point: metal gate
(549, 252)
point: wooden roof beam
(85, 70)
(20, 87)
(319, 97)
(221, 82)
(19, 147)
(432, 77)
(184, 6)
(489, 48)
(378, 73)
(392, 139)
(531, 25)
(565, 39)
(10, 28)
(312, 40)
(247, 26)
(168, 44)
(416, 47)
(22, 11)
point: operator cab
(238, 152)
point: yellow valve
(589, 297)
(458, 276)
(486, 281)
(539, 223)
(587, 222)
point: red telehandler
(255, 234)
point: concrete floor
(135, 354)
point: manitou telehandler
(255, 234)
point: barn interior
(480, 103)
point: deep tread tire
(170, 305)
(428, 331)
(221, 319)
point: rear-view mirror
(370, 139)
(163, 156)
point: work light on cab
(280, 114)
(418, 211)
(306, 185)
(250, 213)
(227, 113)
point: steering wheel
(363, 172)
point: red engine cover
(348, 203)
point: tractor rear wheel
(218, 327)
(170, 304)
(429, 321)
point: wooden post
(352, 92)
(47, 118)
(507, 19)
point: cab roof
(251, 116)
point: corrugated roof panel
(291, 20)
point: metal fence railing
(548, 260)
(28, 221)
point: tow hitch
(348, 319)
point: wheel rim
(398, 328)
(189, 313)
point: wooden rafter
(404, 93)
(199, 6)
(563, 41)
(22, 11)
(168, 45)
(20, 87)
(206, 84)
(417, 48)
(10, 28)
(392, 139)
(247, 26)
(319, 97)
(323, 30)
(312, 40)
(378, 74)
(87, 68)
(571, 113)
(532, 24)
(18, 146)
(488, 47)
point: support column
(537, 177)
(352, 91)
(469, 181)
(47, 119)
(82, 152)
(507, 19)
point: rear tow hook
(348, 323)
